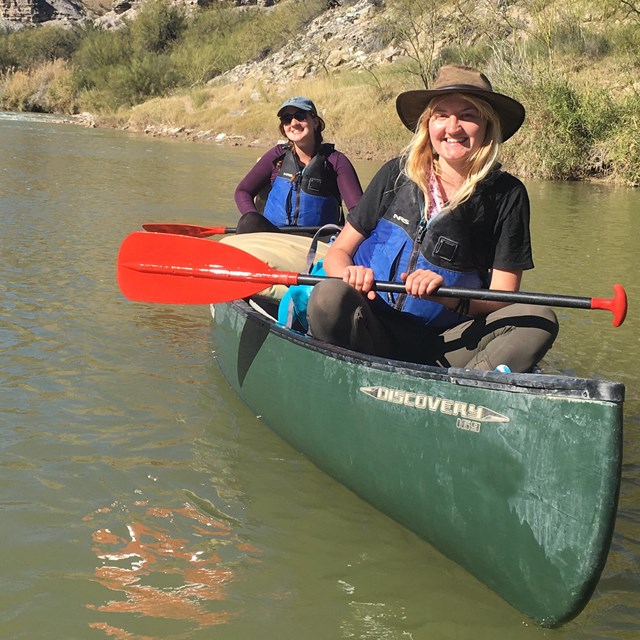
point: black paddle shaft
(551, 300)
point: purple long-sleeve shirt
(265, 171)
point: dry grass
(360, 118)
(48, 85)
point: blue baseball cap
(299, 103)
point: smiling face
(298, 126)
(456, 130)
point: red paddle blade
(170, 269)
(617, 305)
(193, 230)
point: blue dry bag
(292, 312)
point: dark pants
(255, 223)
(517, 335)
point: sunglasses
(299, 115)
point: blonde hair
(418, 159)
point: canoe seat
(283, 252)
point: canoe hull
(516, 481)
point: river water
(141, 500)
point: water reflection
(163, 563)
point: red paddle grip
(617, 305)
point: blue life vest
(305, 196)
(403, 242)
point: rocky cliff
(340, 37)
(16, 13)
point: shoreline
(198, 136)
(221, 138)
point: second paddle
(197, 231)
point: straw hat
(465, 80)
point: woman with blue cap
(444, 213)
(307, 179)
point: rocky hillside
(19, 13)
(339, 38)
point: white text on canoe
(469, 415)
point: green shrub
(146, 76)
(98, 53)
(8, 54)
(269, 31)
(199, 98)
(213, 23)
(197, 64)
(569, 37)
(570, 131)
(476, 56)
(128, 84)
(625, 40)
(559, 138)
(124, 67)
(623, 143)
(28, 48)
(157, 26)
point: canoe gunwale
(549, 384)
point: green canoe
(513, 476)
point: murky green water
(141, 500)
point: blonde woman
(444, 213)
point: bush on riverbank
(161, 50)
(574, 67)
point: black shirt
(498, 211)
